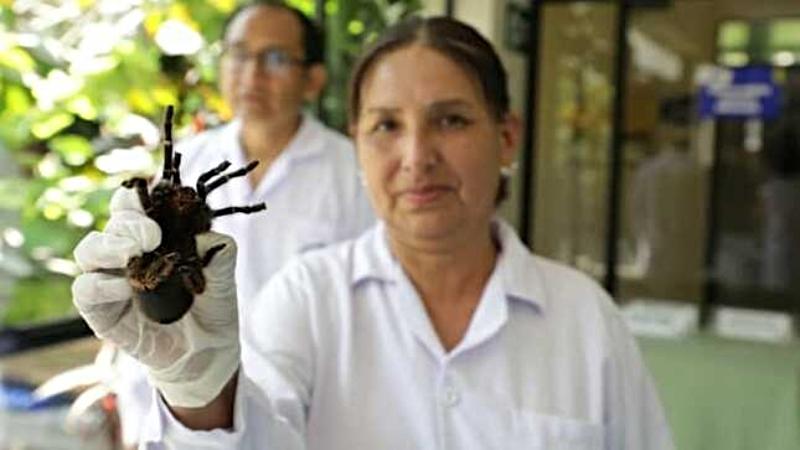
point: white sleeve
(278, 344)
(275, 378)
(134, 396)
(634, 416)
(256, 426)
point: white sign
(750, 324)
(661, 318)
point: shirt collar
(516, 267)
(306, 142)
(373, 260)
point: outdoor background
(83, 86)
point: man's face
(263, 76)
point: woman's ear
(510, 129)
(317, 78)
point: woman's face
(428, 145)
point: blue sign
(747, 92)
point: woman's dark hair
(313, 40)
(456, 40)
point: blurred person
(780, 200)
(271, 65)
(666, 216)
(437, 328)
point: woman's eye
(453, 121)
(384, 126)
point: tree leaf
(74, 150)
(17, 59)
(51, 124)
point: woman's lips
(424, 195)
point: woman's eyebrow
(449, 104)
(436, 105)
(381, 110)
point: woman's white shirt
(342, 354)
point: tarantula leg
(225, 178)
(140, 185)
(193, 279)
(201, 181)
(211, 252)
(168, 169)
(176, 175)
(238, 209)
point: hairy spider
(166, 280)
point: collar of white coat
(516, 268)
(304, 144)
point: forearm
(217, 414)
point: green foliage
(82, 90)
(350, 25)
(40, 299)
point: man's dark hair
(313, 40)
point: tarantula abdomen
(166, 280)
(155, 307)
(163, 296)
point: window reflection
(756, 259)
(573, 133)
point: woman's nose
(420, 152)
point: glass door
(574, 103)
(667, 154)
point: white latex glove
(190, 360)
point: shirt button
(451, 397)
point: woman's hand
(190, 361)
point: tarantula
(166, 280)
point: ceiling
(688, 27)
(726, 9)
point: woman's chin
(427, 227)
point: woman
(436, 329)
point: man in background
(272, 64)
(780, 205)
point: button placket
(451, 396)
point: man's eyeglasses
(270, 60)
